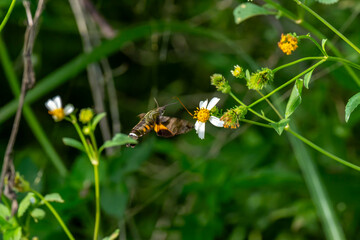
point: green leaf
(248, 10)
(307, 78)
(295, 98)
(4, 211)
(53, 197)
(323, 42)
(5, 216)
(73, 143)
(97, 119)
(327, 1)
(118, 140)
(25, 203)
(279, 126)
(13, 234)
(113, 236)
(247, 75)
(37, 214)
(353, 102)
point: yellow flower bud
(86, 114)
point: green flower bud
(220, 83)
(232, 116)
(20, 184)
(260, 79)
(86, 114)
(86, 130)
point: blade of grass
(75, 66)
(319, 195)
(6, 18)
(317, 189)
(28, 113)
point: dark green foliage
(235, 184)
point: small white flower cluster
(56, 110)
(205, 109)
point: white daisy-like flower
(202, 114)
(56, 110)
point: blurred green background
(235, 184)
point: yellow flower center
(202, 114)
(237, 71)
(58, 114)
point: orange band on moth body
(159, 127)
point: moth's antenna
(169, 104)
(184, 106)
(157, 104)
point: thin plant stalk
(328, 25)
(315, 42)
(288, 14)
(97, 200)
(92, 152)
(295, 62)
(308, 142)
(55, 213)
(288, 82)
(270, 104)
(81, 135)
(256, 123)
(7, 16)
(345, 61)
(251, 110)
(326, 153)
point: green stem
(326, 153)
(271, 105)
(81, 135)
(97, 199)
(256, 123)
(328, 25)
(56, 215)
(345, 61)
(288, 82)
(295, 62)
(6, 18)
(93, 140)
(254, 112)
(284, 12)
(315, 42)
(92, 153)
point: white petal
(201, 131)
(203, 104)
(197, 125)
(57, 101)
(216, 121)
(69, 108)
(50, 105)
(212, 103)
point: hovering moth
(164, 126)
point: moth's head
(161, 110)
(153, 114)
